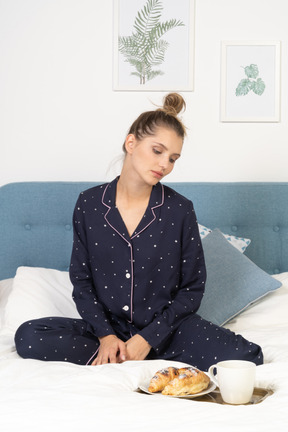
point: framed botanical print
(250, 82)
(154, 45)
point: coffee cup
(235, 379)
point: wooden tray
(258, 396)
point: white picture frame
(176, 71)
(250, 81)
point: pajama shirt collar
(113, 216)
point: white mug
(235, 379)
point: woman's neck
(131, 190)
(132, 201)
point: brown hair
(166, 116)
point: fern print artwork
(251, 82)
(145, 48)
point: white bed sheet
(39, 396)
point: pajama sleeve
(84, 293)
(191, 285)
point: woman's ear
(130, 143)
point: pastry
(161, 379)
(189, 381)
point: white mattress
(39, 396)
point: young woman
(137, 266)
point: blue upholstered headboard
(36, 230)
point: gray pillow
(234, 282)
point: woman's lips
(157, 174)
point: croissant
(189, 381)
(161, 379)
(189, 371)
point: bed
(244, 227)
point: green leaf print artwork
(253, 83)
(145, 48)
(252, 71)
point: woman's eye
(172, 160)
(156, 151)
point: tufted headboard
(36, 230)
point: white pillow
(5, 289)
(37, 293)
(240, 243)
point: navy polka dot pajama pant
(195, 341)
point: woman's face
(153, 157)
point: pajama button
(125, 308)
(128, 275)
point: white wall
(61, 120)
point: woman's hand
(137, 348)
(111, 350)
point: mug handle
(212, 375)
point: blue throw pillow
(234, 282)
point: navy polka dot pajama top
(150, 283)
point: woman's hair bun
(173, 104)
(167, 116)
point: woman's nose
(163, 163)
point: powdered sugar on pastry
(191, 381)
(179, 382)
